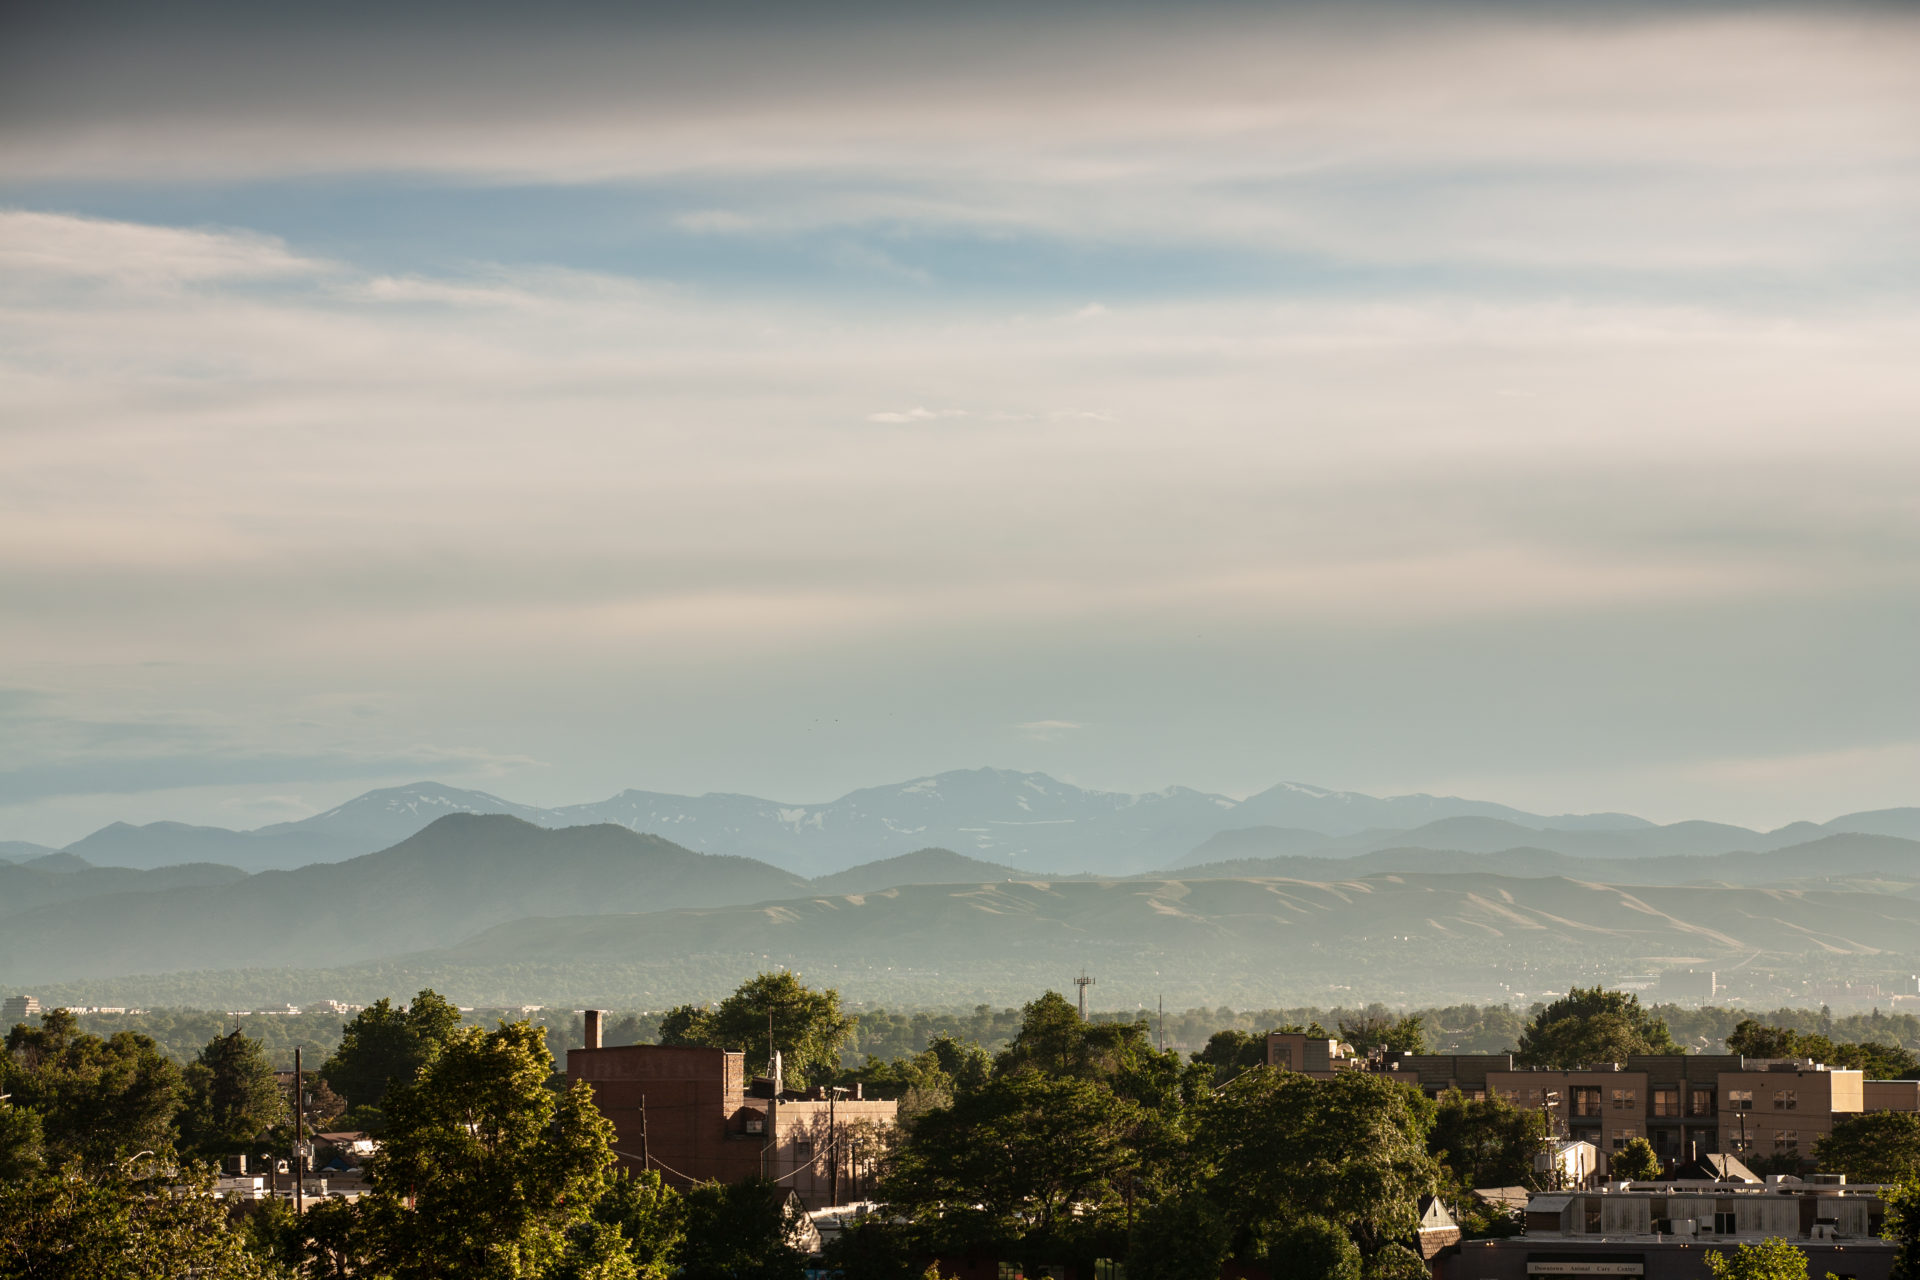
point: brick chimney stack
(592, 1036)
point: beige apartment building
(1681, 1104)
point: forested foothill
(1028, 1135)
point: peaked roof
(1716, 1166)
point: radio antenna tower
(1083, 982)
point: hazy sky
(1510, 400)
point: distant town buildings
(17, 1009)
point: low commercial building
(1666, 1230)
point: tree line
(1070, 1141)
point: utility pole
(646, 1160)
(299, 1140)
(833, 1148)
(1083, 982)
(1163, 1024)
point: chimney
(857, 1094)
(592, 1029)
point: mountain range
(1026, 820)
(493, 892)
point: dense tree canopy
(1877, 1060)
(1485, 1142)
(120, 1224)
(1381, 1030)
(232, 1097)
(1351, 1150)
(1020, 1156)
(806, 1026)
(1592, 1024)
(384, 1046)
(1232, 1051)
(740, 1232)
(1772, 1259)
(1875, 1146)
(96, 1100)
(483, 1171)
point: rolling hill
(463, 873)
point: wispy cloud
(1048, 730)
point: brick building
(1680, 1103)
(692, 1115)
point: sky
(1506, 400)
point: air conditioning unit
(1686, 1227)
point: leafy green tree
(925, 1082)
(1055, 1040)
(1902, 1229)
(1351, 1150)
(1016, 1158)
(875, 1249)
(1635, 1162)
(1757, 1040)
(1381, 1030)
(96, 1099)
(1877, 1060)
(1230, 1052)
(1395, 1262)
(22, 1142)
(330, 1240)
(384, 1046)
(1311, 1248)
(113, 1226)
(1591, 1024)
(232, 1097)
(742, 1231)
(1486, 1142)
(650, 1217)
(483, 1171)
(1178, 1238)
(1874, 1146)
(1770, 1259)
(808, 1027)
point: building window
(1666, 1102)
(1625, 1099)
(1725, 1224)
(1702, 1102)
(1786, 1099)
(1586, 1100)
(1786, 1140)
(1591, 1216)
(1739, 1099)
(1621, 1137)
